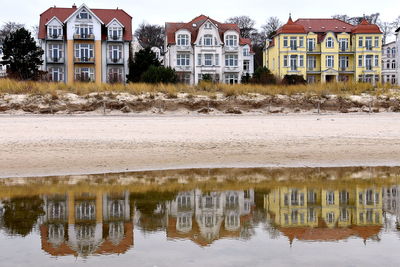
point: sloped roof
(106, 15)
(291, 27)
(193, 27)
(366, 27)
(325, 25)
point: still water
(219, 217)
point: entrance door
(330, 78)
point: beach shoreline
(45, 145)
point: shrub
(159, 75)
(293, 79)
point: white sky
(158, 12)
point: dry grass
(204, 88)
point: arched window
(393, 64)
(388, 64)
(388, 51)
(329, 42)
(393, 51)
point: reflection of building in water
(205, 217)
(324, 214)
(84, 224)
(391, 201)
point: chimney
(74, 6)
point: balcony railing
(115, 60)
(84, 36)
(293, 47)
(231, 48)
(114, 37)
(368, 47)
(84, 60)
(55, 37)
(55, 60)
(112, 78)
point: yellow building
(324, 50)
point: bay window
(183, 39)
(115, 52)
(231, 40)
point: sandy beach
(58, 145)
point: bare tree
(372, 18)
(271, 26)
(396, 23)
(7, 28)
(386, 28)
(245, 23)
(150, 35)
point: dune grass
(8, 86)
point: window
(360, 41)
(208, 40)
(343, 62)
(344, 215)
(55, 52)
(376, 63)
(115, 75)
(285, 41)
(231, 78)
(344, 197)
(208, 59)
(84, 15)
(330, 198)
(285, 61)
(368, 43)
(293, 62)
(84, 31)
(388, 51)
(199, 62)
(393, 51)
(246, 51)
(184, 77)
(84, 74)
(360, 60)
(376, 41)
(393, 64)
(183, 39)
(54, 31)
(330, 62)
(311, 62)
(344, 44)
(217, 59)
(183, 59)
(293, 43)
(329, 42)
(115, 33)
(208, 26)
(56, 74)
(231, 40)
(84, 51)
(330, 217)
(246, 65)
(368, 62)
(388, 64)
(231, 60)
(115, 52)
(301, 41)
(310, 44)
(301, 62)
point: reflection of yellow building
(325, 214)
(85, 224)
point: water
(220, 217)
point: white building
(398, 55)
(2, 68)
(389, 63)
(204, 47)
(136, 47)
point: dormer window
(54, 31)
(208, 26)
(208, 40)
(183, 39)
(115, 33)
(84, 15)
(231, 40)
(329, 42)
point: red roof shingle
(106, 15)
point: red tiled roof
(324, 25)
(366, 27)
(291, 27)
(193, 27)
(106, 15)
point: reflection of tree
(151, 206)
(21, 214)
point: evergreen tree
(21, 55)
(141, 63)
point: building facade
(83, 44)
(397, 32)
(324, 50)
(3, 71)
(389, 63)
(206, 49)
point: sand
(60, 145)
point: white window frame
(231, 60)
(57, 71)
(115, 52)
(231, 78)
(208, 59)
(58, 48)
(330, 42)
(54, 31)
(208, 40)
(231, 40)
(330, 61)
(183, 59)
(84, 11)
(89, 71)
(343, 62)
(118, 71)
(79, 48)
(183, 39)
(115, 33)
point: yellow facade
(327, 56)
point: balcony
(183, 68)
(55, 37)
(83, 36)
(313, 69)
(115, 61)
(345, 69)
(231, 69)
(293, 48)
(84, 60)
(183, 48)
(231, 48)
(55, 60)
(114, 38)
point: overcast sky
(158, 12)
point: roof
(366, 27)
(325, 25)
(105, 15)
(194, 25)
(291, 27)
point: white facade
(389, 63)
(223, 59)
(2, 68)
(398, 55)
